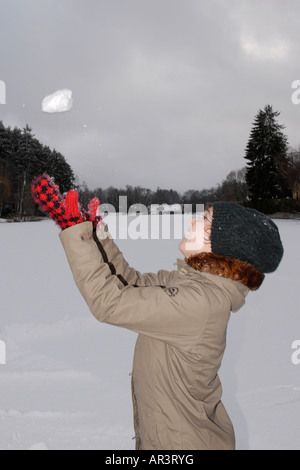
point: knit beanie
(247, 235)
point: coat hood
(235, 290)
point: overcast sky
(165, 91)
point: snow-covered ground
(66, 381)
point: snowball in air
(59, 102)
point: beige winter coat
(181, 317)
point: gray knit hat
(247, 235)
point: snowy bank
(66, 382)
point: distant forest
(22, 157)
(233, 188)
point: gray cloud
(164, 90)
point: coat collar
(227, 268)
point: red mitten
(73, 212)
(93, 214)
(65, 212)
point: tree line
(266, 182)
(233, 188)
(22, 157)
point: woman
(181, 316)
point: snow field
(66, 382)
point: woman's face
(197, 238)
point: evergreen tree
(22, 157)
(266, 146)
(25, 158)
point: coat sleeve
(119, 266)
(146, 310)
